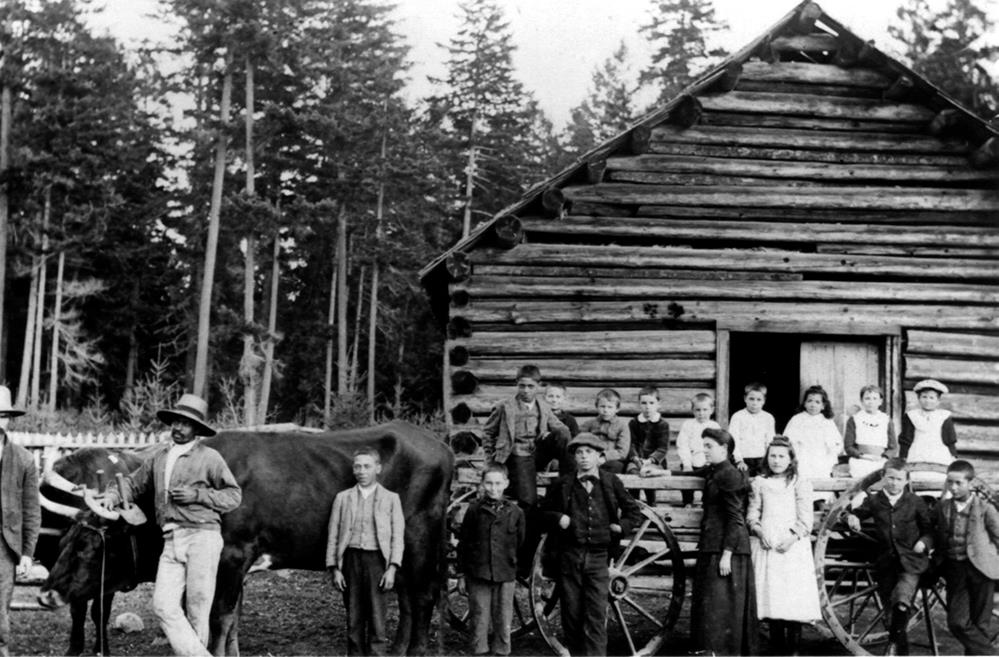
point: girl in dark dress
(723, 615)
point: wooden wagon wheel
(844, 570)
(456, 603)
(647, 583)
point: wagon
(648, 574)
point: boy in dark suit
(589, 512)
(364, 551)
(967, 535)
(903, 530)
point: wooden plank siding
(802, 201)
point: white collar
(366, 492)
(961, 506)
(655, 418)
(182, 449)
(893, 499)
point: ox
(289, 481)
(62, 502)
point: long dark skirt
(723, 613)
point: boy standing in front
(967, 536)
(903, 530)
(753, 429)
(589, 512)
(511, 434)
(364, 551)
(491, 533)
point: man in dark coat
(21, 514)
(589, 512)
(903, 529)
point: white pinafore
(871, 432)
(927, 442)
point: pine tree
(948, 47)
(679, 31)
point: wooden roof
(807, 119)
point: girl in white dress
(814, 435)
(780, 523)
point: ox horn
(57, 481)
(59, 509)
(95, 506)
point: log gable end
(809, 185)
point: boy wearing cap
(193, 487)
(21, 514)
(589, 512)
(928, 431)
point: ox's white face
(366, 469)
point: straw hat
(192, 408)
(6, 407)
(930, 384)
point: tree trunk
(248, 363)
(29, 336)
(5, 119)
(211, 248)
(341, 311)
(397, 410)
(352, 384)
(330, 318)
(466, 224)
(36, 360)
(56, 321)
(373, 303)
(265, 386)
(133, 343)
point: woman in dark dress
(723, 616)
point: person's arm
(905, 438)
(948, 433)
(622, 441)
(834, 440)
(771, 427)
(552, 507)
(732, 488)
(558, 428)
(398, 542)
(224, 494)
(892, 448)
(333, 533)
(683, 448)
(630, 513)
(924, 523)
(735, 429)
(850, 439)
(660, 438)
(991, 518)
(521, 525)
(490, 430)
(572, 425)
(803, 515)
(755, 511)
(31, 513)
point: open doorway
(787, 363)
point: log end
(461, 413)
(805, 21)
(553, 200)
(458, 355)
(639, 140)
(847, 54)
(459, 266)
(458, 327)
(459, 298)
(508, 231)
(900, 89)
(986, 155)
(945, 122)
(595, 171)
(729, 78)
(463, 382)
(465, 442)
(687, 112)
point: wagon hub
(618, 583)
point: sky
(559, 42)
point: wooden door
(842, 368)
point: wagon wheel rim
(850, 606)
(646, 588)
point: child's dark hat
(587, 439)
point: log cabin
(810, 211)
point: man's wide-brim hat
(930, 384)
(587, 439)
(192, 408)
(6, 407)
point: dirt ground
(286, 613)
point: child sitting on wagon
(612, 430)
(870, 435)
(928, 431)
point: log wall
(810, 198)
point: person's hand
(110, 501)
(388, 579)
(616, 528)
(563, 522)
(919, 547)
(853, 522)
(183, 495)
(764, 539)
(786, 544)
(742, 466)
(339, 582)
(24, 566)
(462, 589)
(725, 564)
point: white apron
(871, 431)
(927, 442)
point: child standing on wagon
(753, 429)
(780, 523)
(814, 435)
(870, 434)
(928, 431)
(689, 442)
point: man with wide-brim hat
(193, 487)
(21, 514)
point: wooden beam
(818, 106)
(806, 154)
(508, 231)
(805, 43)
(938, 343)
(952, 371)
(866, 197)
(617, 288)
(763, 231)
(580, 400)
(820, 171)
(778, 316)
(789, 139)
(814, 74)
(812, 123)
(543, 271)
(459, 266)
(722, 377)
(588, 343)
(658, 370)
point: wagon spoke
(880, 615)
(624, 626)
(634, 541)
(930, 630)
(853, 596)
(652, 558)
(637, 607)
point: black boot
(778, 646)
(793, 641)
(898, 638)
